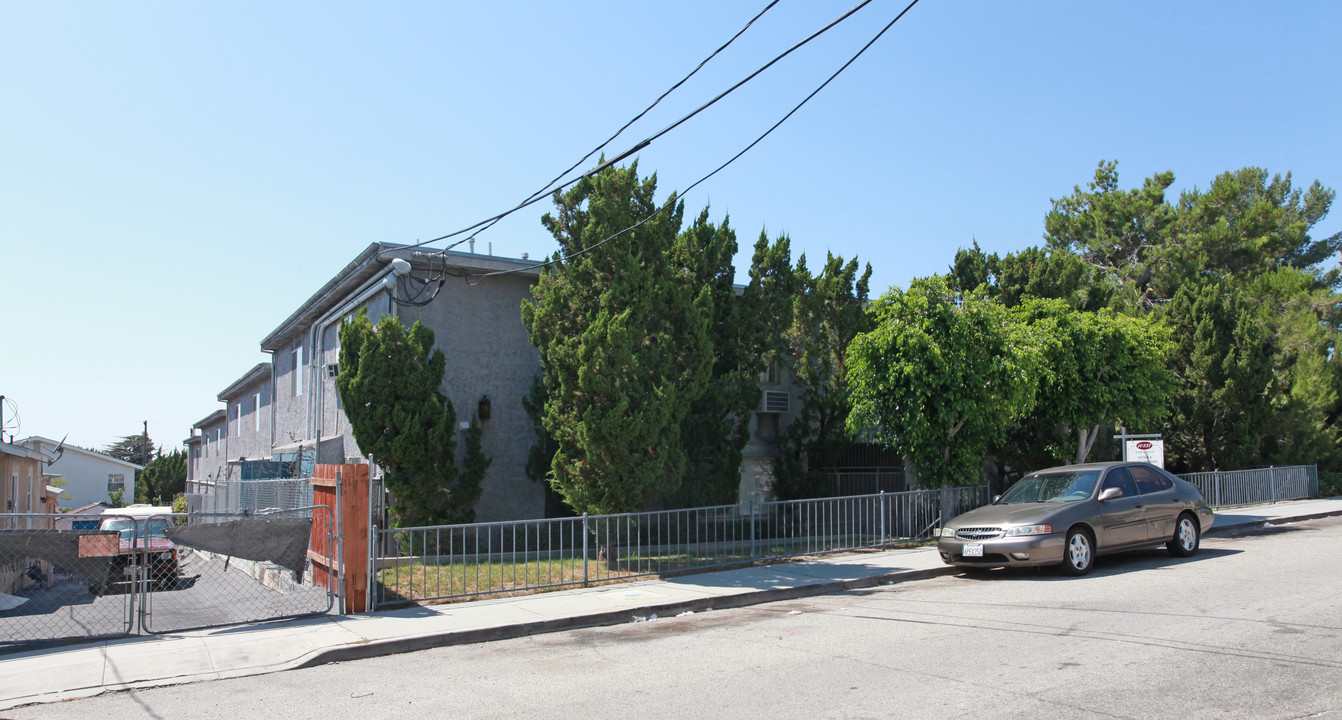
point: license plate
(975, 550)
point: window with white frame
(256, 412)
(237, 425)
(296, 382)
(116, 481)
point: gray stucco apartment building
(288, 409)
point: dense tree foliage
(137, 449)
(1118, 233)
(1225, 359)
(828, 312)
(743, 330)
(389, 384)
(1101, 370)
(162, 479)
(625, 344)
(940, 378)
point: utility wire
(536, 198)
(549, 187)
(733, 159)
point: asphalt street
(1251, 627)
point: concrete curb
(379, 648)
(1251, 524)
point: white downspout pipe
(380, 282)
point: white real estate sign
(1152, 451)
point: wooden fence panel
(353, 526)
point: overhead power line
(731, 160)
(648, 141)
(549, 187)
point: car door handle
(1137, 507)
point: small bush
(1330, 483)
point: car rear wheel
(1078, 553)
(1187, 537)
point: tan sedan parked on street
(1068, 515)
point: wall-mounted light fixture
(482, 410)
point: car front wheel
(1186, 538)
(1078, 553)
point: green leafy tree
(542, 453)
(59, 482)
(1031, 273)
(624, 344)
(1121, 234)
(743, 330)
(138, 449)
(1247, 224)
(974, 269)
(474, 464)
(1101, 370)
(1306, 389)
(1224, 361)
(389, 384)
(940, 378)
(117, 498)
(829, 311)
(163, 478)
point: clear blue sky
(178, 177)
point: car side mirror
(1110, 493)
(996, 498)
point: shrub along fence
(450, 561)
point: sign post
(1142, 448)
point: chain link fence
(250, 496)
(76, 577)
(430, 563)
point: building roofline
(212, 418)
(76, 448)
(352, 274)
(261, 370)
(367, 264)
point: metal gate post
(752, 528)
(883, 513)
(372, 567)
(1272, 481)
(585, 536)
(339, 530)
(369, 603)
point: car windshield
(1054, 487)
(125, 526)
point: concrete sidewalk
(55, 674)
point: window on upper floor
(256, 413)
(296, 377)
(772, 375)
(237, 424)
(116, 481)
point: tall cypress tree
(624, 343)
(828, 313)
(1223, 358)
(743, 328)
(389, 384)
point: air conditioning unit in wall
(775, 401)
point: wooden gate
(351, 533)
